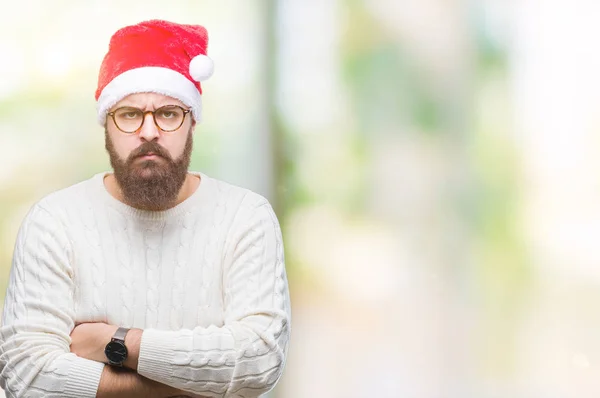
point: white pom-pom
(201, 68)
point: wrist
(132, 342)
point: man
(151, 281)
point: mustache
(147, 148)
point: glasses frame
(144, 113)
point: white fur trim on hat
(201, 68)
(150, 79)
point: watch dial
(116, 351)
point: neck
(188, 188)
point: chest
(166, 276)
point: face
(150, 165)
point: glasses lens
(128, 119)
(169, 118)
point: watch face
(116, 352)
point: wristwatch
(115, 350)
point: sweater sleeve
(246, 356)
(38, 316)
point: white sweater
(205, 280)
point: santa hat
(155, 56)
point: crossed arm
(88, 341)
(44, 353)
(123, 383)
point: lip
(149, 156)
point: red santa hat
(155, 56)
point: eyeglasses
(167, 118)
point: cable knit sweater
(205, 280)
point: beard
(150, 184)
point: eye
(169, 113)
(128, 113)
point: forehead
(148, 101)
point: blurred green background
(433, 164)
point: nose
(149, 130)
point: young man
(151, 281)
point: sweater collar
(200, 195)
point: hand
(88, 340)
